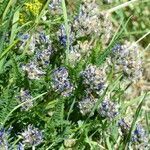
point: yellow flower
(34, 7)
(22, 18)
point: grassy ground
(94, 97)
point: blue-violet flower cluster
(32, 136)
(61, 82)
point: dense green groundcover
(74, 75)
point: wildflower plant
(94, 79)
(31, 136)
(86, 105)
(108, 109)
(129, 59)
(67, 76)
(24, 97)
(61, 82)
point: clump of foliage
(67, 77)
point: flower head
(43, 57)
(118, 48)
(139, 138)
(79, 50)
(87, 22)
(32, 136)
(86, 105)
(139, 134)
(44, 49)
(108, 109)
(41, 41)
(61, 82)
(25, 96)
(127, 58)
(107, 29)
(62, 35)
(38, 41)
(94, 79)
(34, 7)
(33, 71)
(55, 7)
(23, 39)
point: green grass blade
(66, 27)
